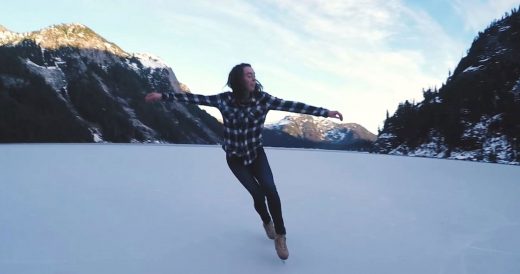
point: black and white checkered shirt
(243, 124)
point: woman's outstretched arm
(212, 100)
(297, 107)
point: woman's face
(249, 79)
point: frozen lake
(101, 208)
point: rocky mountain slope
(66, 83)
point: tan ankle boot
(269, 230)
(281, 247)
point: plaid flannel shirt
(243, 124)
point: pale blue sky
(359, 57)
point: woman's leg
(244, 174)
(262, 172)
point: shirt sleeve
(275, 103)
(211, 100)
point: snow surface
(53, 75)
(107, 208)
(151, 61)
(472, 68)
(504, 28)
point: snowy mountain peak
(70, 27)
(324, 124)
(319, 129)
(300, 119)
(63, 35)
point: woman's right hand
(335, 114)
(153, 97)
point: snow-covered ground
(102, 208)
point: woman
(244, 111)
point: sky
(140, 209)
(361, 58)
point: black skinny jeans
(257, 178)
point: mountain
(475, 115)
(315, 132)
(65, 83)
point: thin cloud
(362, 57)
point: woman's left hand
(335, 114)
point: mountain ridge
(64, 35)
